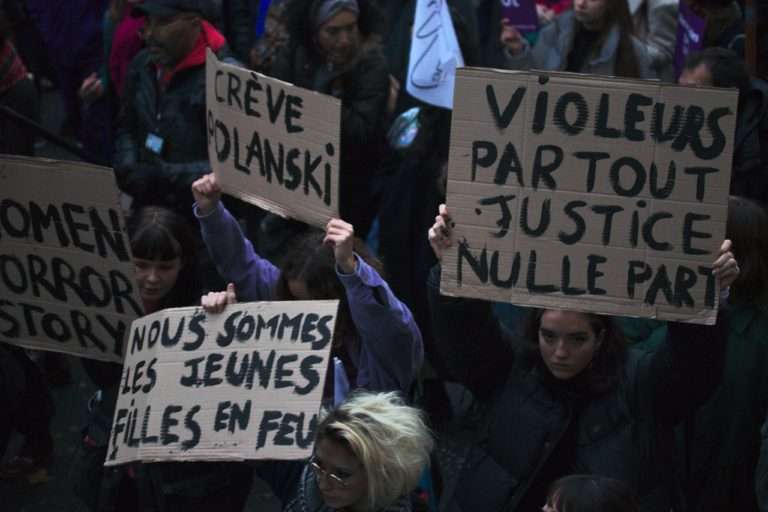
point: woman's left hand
(341, 236)
(725, 268)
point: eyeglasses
(335, 479)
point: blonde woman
(368, 456)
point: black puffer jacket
(531, 420)
(178, 117)
(363, 87)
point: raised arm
(253, 276)
(687, 367)
(470, 340)
(391, 351)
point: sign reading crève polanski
(588, 193)
(66, 271)
(243, 384)
(273, 144)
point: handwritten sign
(587, 193)
(435, 54)
(66, 271)
(245, 384)
(273, 144)
(690, 35)
(521, 14)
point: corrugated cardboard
(66, 282)
(247, 109)
(501, 213)
(218, 414)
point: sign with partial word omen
(66, 270)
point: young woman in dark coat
(569, 399)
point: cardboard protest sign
(243, 384)
(587, 193)
(434, 54)
(690, 35)
(273, 144)
(66, 271)
(521, 14)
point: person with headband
(334, 50)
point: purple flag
(521, 14)
(690, 35)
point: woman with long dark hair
(568, 397)
(377, 345)
(595, 38)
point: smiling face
(567, 342)
(339, 38)
(341, 478)
(156, 279)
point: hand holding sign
(511, 37)
(341, 236)
(725, 268)
(441, 233)
(215, 302)
(207, 194)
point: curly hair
(389, 438)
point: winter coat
(556, 41)
(390, 349)
(623, 430)
(655, 23)
(295, 485)
(363, 87)
(720, 442)
(176, 114)
(749, 177)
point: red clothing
(126, 43)
(12, 69)
(556, 5)
(209, 38)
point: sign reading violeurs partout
(243, 384)
(67, 279)
(588, 193)
(273, 144)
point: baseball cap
(168, 8)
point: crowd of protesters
(568, 411)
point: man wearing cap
(161, 145)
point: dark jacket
(177, 115)
(236, 21)
(363, 87)
(721, 441)
(623, 431)
(295, 485)
(749, 177)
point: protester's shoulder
(552, 32)
(372, 58)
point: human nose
(579, 5)
(153, 275)
(323, 482)
(561, 350)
